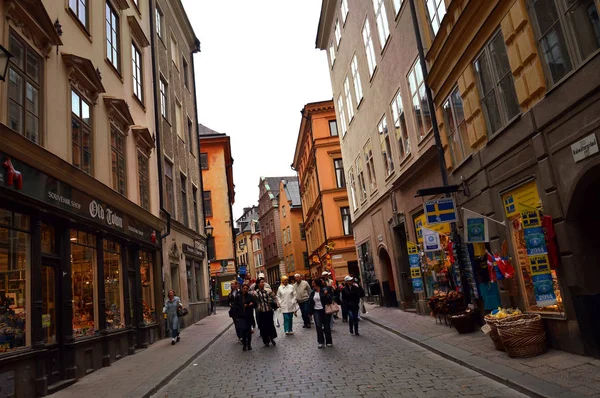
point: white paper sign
(431, 240)
(486, 329)
(584, 148)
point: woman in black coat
(243, 309)
(318, 299)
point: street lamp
(208, 228)
(4, 58)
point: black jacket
(325, 299)
(351, 296)
(242, 308)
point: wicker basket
(463, 322)
(523, 336)
(492, 322)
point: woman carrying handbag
(172, 311)
(319, 300)
(266, 303)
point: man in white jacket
(286, 295)
(302, 294)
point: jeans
(344, 312)
(288, 318)
(353, 319)
(305, 315)
(322, 323)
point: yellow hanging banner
(421, 222)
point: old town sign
(26, 180)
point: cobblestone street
(376, 364)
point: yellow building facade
(295, 255)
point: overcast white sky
(258, 67)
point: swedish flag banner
(439, 211)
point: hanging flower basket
(523, 335)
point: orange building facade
(292, 228)
(325, 206)
(218, 196)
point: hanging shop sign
(420, 222)
(523, 198)
(26, 180)
(193, 251)
(541, 275)
(476, 227)
(439, 211)
(431, 240)
(584, 148)
(415, 267)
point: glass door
(51, 320)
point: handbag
(273, 305)
(332, 308)
(182, 311)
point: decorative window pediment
(84, 76)
(35, 23)
(118, 113)
(137, 32)
(144, 139)
(121, 4)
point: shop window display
(15, 260)
(435, 265)
(48, 304)
(524, 199)
(83, 263)
(112, 286)
(146, 266)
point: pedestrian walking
(286, 296)
(243, 306)
(351, 298)
(231, 300)
(302, 293)
(172, 304)
(318, 299)
(266, 303)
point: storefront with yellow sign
(538, 280)
(435, 264)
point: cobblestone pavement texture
(375, 364)
(575, 374)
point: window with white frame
(368, 42)
(386, 146)
(163, 98)
(362, 187)
(436, 10)
(344, 9)
(567, 32)
(383, 29)
(81, 133)
(368, 152)
(496, 84)
(112, 36)
(419, 100)
(397, 5)
(400, 129)
(341, 116)
(352, 189)
(358, 93)
(159, 22)
(332, 54)
(456, 128)
(338, 33)
(117, 156)
(136, 66)
(348, 96)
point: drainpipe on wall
(157, 122)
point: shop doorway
(407, 298)
(582, 219)
(52, 320)
(387, 279)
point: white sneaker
(319, 345)
(173, 341)
(329, 345)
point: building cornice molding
(31, 18)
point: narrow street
(376, 364)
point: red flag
(505, 267)
(491, 271)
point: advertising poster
(431, 240)
(415, 267)
(541, 275)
